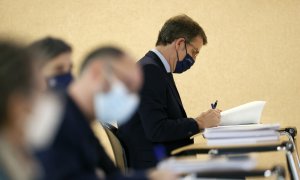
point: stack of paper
(213, 164)
(241, 134)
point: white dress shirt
(163, 60)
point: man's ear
(179, 42)
(95, 70)
(98, 76)
(91, 75)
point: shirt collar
(163, 60)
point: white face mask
(117, 105)
(43, 123)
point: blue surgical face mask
(185, 64)
(117, 105)
(60, 82)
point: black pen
(213, 106)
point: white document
(212, 164)
(242, 134)
(246, 127)
(239, 134)
(249, 113)
(242, 141)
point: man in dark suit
(161, 118)
(76, 152)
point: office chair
(118, 150)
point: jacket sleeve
(157, 125)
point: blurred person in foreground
(55, 57)
(18, 91)
(106, 90)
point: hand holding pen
(210, 118)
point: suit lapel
(168, 76)
(173, 87)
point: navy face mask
(185, 64)
(60, 82)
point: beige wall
(253, 46)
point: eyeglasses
(195, 50)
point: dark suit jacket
(161, 118)
(76, 152)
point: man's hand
(210, 118)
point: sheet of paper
(212, 164)
(246, 127)
(249, 113)
(242, 141)
(239, 134)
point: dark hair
(48, 48)
(16, 74)
(104, 53)
(181, 26)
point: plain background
(252, 54)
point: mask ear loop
(185, 51)
(185, 47)
(177, 56)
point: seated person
(106, 75)
(55, 58)
(161, 118)
(18, 87)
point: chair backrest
(118, 150)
